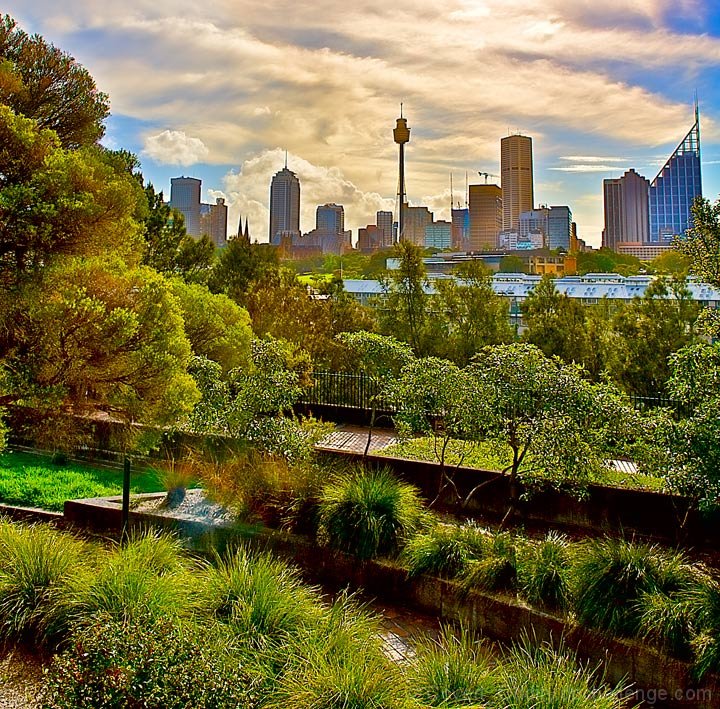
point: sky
(220, 90)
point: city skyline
(223, 98)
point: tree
(555, 322)
(216, 326)
(468, 315)
(404, 305)
(380, 358)
(692, 465)
(510, 263)
(241, 264)
(195, 258)
(54, 201)
(645, 332)
(164, 231)
(96, 337)
(702, 246)
(42, 82)
(557, 425)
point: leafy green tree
(645, 332)
(239, 265)
(217, 327)
(95, 336)
(195, 259)
(555, 323)
(380, 358)
(403, 312)
(42, 82)
(54, 201)
(510, 263)
(164, 231)
(558, 426)
(468, 315)
(607, 261)
(670, 263)
(692, 466)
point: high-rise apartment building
(185, 197)
(625, 202)
(384, 222)
(438, 235)
(284, 206)
(534, 221)
(673, 190)
(516, 173)
(486, 217)
(559, 229)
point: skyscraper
(460, 228)
(185, 197)
(626, 210)
(516, 173)
(284, 205)
(559, 229)
(384, 221)
(675, 187)
(486, 217)
(213, 221)
(330, 218)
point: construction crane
(486, 175)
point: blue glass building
(672, 192)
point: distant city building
(438, 235)
(185, 197)
(625, 202)
(559, 230)
(414, 221)
(486, 217)
(284, 205)
(533, 221)
(213, 221)
(371, 238)
(384, 222)
(330, 218)
(516, 174)
(673, 190)
(512, 241)
(460, 228)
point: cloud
(174, 147)
(246, 192)
(588, 168)
(590, 158)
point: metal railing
(357, 391)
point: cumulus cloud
(174, 147)
(588, 168)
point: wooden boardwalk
(353, 439)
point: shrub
(536, 676)
(542, 569)
(611, 576)
(453, 671)
(496, 567)
(261, 598)
(35, 562)
(701, 602)
(158, 665)
(368, 513)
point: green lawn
(487, 456)
(31, 480)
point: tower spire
(286, 158)
(401, 135)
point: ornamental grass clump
(543, 570)
(368, 513)
(262, 599)
(444, 550)
(147, 579)
(453, 671)
(538, 676)
(611, 576)
(495, 569)
(701, 606)
(36, 563)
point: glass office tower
(672, 192)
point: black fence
(359, 391)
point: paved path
(354, 439)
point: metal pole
(126, 497)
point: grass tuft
(543, 569)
